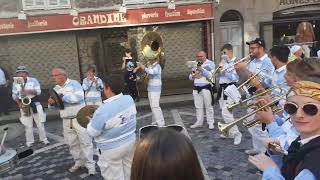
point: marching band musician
(260, 64)
(154, 90)
(92, 86)
(296, 53)
(113, 127)
(77, 138)
(278, 125)
(29, 88)
(302, 161)
(226, 79)
(202, 89)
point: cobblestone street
(221, 159)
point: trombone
(225, 127)
(246, 59)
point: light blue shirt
(114, 122)
(275, 174)
(208, 68)
(73, 98)
(262, 65)
(230, 75)
(3, 80)
(154, 72)
(92, 90)
(31, 84)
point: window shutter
(33, 4)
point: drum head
(8, 155)
(85, 114)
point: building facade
(239, 21)
(43, 34)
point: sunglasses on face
(309, 108)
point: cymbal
(14, 130)
(85, 113)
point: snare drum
(8, 159)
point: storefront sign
(293, 3)
(105, 19)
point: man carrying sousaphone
(25, 92)
(261, 65)
(77, 138)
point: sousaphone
(85, 114)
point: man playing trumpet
(29, 88)
(260, 64)
(202, 76)
(227, 78)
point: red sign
(105, 19)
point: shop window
(45, 4)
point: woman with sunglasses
(302, 161)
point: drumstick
(4, 135)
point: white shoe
(196, 125)
(29, 144)
(46, 141)
(91, 171)
(237, 139)
(211, 126)
(76, 167)
(252, 152)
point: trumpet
(256, 121)
(224, 128)
(243, 103)
(246, 59)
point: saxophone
(25, 100)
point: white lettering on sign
(298, 2)
(6, 26)
(99, 19)
(149, 15)
(37, 23)
(172, 14)
(196, 11)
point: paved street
(221, 159)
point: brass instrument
(152, 48)
(246, 59)
(256, 122)
(276, 147)
(244, 102)
(25, 99)
(85, 114)
(224, 128)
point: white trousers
(154, 100)
(257, 134)
(115, 164)
(79, 142)
(201, 100)
(228, 117)
(39, 118)
(98, 103)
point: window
(45, 4)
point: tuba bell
(152, 48)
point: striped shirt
(92, 90)
(208, 68)
(154, 72)
(73, 98)
(31, 84)
(114, 122)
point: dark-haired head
(227, 47)
(281, 53)
(114, 83)
(165, 154)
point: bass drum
(8, 160)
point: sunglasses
(145, 130)
(309, 108)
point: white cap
(295, 48)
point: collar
(281, 69)
(233, 59)
(113, 98)
(155, 63)
(305, 141)
(65, 83)
(263, 57)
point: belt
(200, 88)
(223, 86)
